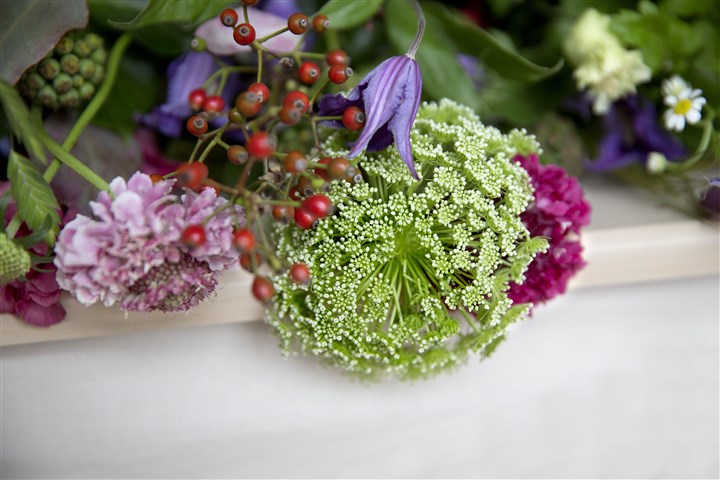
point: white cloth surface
(606, 382)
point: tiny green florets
(408, 276)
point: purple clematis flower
(631, 134)
(390, 96)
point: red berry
(192, 175)
(339, 168)
(290, 115)
(228, 17)
(295, 162)
(283, 212)
(322, 172)
(196, 98)
(300, 273)
(250, 261)
(263, 289)
(295, 193)
(243, 239)
(261, 145)
(214, 104)
(304, 219)
(320, 23)
(237, 154)
(193, 236)
(261, 90)
(309, 73)
(244, 34)
(305, 186)
(196, 125)
(248, 104)
(318, 205)
(250, 3)
(156, 177)
(339, 73)
(298, 23)
(353, 118)
(337, 57)
(297, 99)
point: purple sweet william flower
(558, 213)
(131, 253)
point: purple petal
(402, 121)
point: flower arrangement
(352, 160)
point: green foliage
(43, 22)
(33, 197)
(343, 14)
(18, 117)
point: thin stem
(67, 159)
(260, 66)
(699, 152)
(273, 34)
(420, 29)
(245, 15)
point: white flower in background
(604, 67)
(685, 103)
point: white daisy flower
(685, 103)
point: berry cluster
(285, 185)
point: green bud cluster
(409, 276)
(15, 261)
(69, 75)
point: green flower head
(409, 276)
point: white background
(604, 382)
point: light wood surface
(621, 255)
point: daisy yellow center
(683, 106)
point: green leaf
(30, 29)
(471, 39)
(344, 14)
(33, 197)
(442, 74)
(18, 117)
(187, 13)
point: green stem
(273, 34)
(73, 163)
(700, 151)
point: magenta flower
(558, 213)
(131, 253)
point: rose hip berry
(193, 236)
(228, 17)
(320, 23)
(250, 3)
(339, 73)
(214, 104)
(250, 261)
(297, 99)
(243, 240)
(248, 104)
(337, 57)
(283, 212)
(339, 168)
(318, 205)
(196, 98)
(309, 73)
(192, 175)
(261, 90)
(353, 118)
(261, 145)
(295, 162)
(290, 115)
(244, 34)
(300, 273)
(298, 23)
(263, 289)
(322, 171)
(237, 155)
(196, 125)
(304, 219)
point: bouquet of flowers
(389, 224)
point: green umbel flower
(69, 75)
(15, 261)
(409, 276)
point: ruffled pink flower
(558, 213)
(131, 253)
(36, 299)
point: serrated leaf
(33, 197)
(18, 117)
(473, 40)
(345, 14)
(31, 28)
(185, 12)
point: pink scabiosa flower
(131, 252)
(390, 96)
(558, 213)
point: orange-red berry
(248, 104)
(250, 261)
(228, 17)
(192, 175)
(298, 23)
(337, 57)
(261, 90)
(244, 34)
(339, 168)
(237, 154)
(320, 23)
(353, 118)
(283, 212)
(290, 115)
(339, 73)
(304, 219)
(196, 98)
(197, 125)
(243, 240)
(318, 205)
(193, 236)
(299, 273)
(263, 289)
(214, 104)
(261, 145)
(309, 73)
(295, 162)
(297, 99)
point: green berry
(87, 68)
(81, 48)
(34, 81)
(62, 83)
(78, 81)
(70, 98)
(94, 40)
(49, 68)
(98, 75)
(14, 260)
(65, 45)
(87, 91)
(70, 63)
(47, 96)
(99, 56)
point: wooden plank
(615, 256)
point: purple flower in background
(558, 213)
(390, 97)
(631, 134)
(710, 201)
